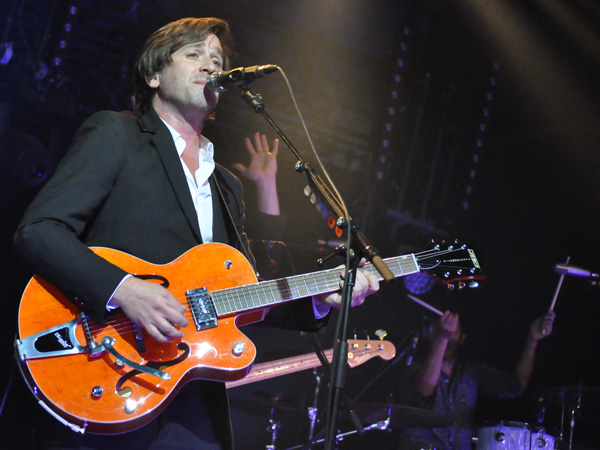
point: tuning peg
(381, 334)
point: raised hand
(263, 160)
(542, 326)
(262, 170)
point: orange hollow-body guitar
(112, 378)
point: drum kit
(564, 401)
(507, 435)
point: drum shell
(507, 435)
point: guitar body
(98, 394)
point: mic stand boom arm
(362, 248)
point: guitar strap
(227, 215)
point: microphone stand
(363, 248)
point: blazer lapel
(163, 142)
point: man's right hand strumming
(152, 307)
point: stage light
(419, 283)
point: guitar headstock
(360, 351)
(451, 263)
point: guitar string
(281, 290)
(236, 304)
(240, 303)
(242, 298)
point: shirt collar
(207, 150)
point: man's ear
(463, 338)
(153, 81)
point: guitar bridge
(203, 308)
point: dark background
(435, 119)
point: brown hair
(159, 47)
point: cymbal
(265, 409)
(569, 394)
(400, 415)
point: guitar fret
(239, 298)
(276, 295)
(333, 281)
(269, 287)
(255, 293)
(321, 285)
(301, 288)
(250, 294)
(273, 292)
(236, 300)
(293, 286)
(220, 304)
(262, 297)
(246, 294)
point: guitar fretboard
(269, 293)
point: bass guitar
(359, 351)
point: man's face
(182, 83)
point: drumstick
(422, 303)
(560, 280)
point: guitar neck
(271, 293)
(280, 367)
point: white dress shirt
(198, 182)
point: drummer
(447, 385)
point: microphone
(565, 269)
(220, 80)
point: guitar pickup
(203, 308)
